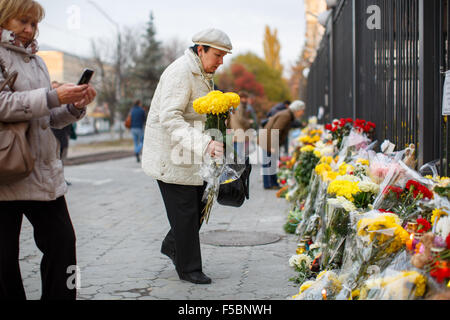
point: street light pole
(119, 58)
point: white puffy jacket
(174, 141)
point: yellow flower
(326, 159)
(364, 162)
(345, 168)
(307, 149)
(437, 214)
(355, 293)
(395, 285)
(330, 176)
(370, 226)
(317, 153)
(343, 188)
(306, 285)
(322, 167)
(216, 102)
(235, 100)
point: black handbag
(233, 194)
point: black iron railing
(383, 61)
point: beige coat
(36, 102)
(174, 142)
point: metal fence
(382, 61)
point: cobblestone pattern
(120, 220)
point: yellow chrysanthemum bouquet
(379, 238)
(216, 105)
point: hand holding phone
(86, 76)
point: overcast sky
(242, 20)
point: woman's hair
(195, 48)
(10, 9)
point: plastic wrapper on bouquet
(326, 286)
(314, 209)
(333, 234)
(403, 191)
(376, 238)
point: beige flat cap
(214, 38)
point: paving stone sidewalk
(120, 220)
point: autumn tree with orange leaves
(272, 49)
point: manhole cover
(223, 238)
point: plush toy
(420, 259)
(410, 159)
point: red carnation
(349, 120)
(447, 240)
(398, 191)
(371, 124)
(329, 126)
(418, 188)
(440, 271)
(423, 225)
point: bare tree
(114, 60)
(173, 49)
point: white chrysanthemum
(443, 226)
(367, 186)
(297, 260)
(341, 202)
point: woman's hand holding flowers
(215, 149)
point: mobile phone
(86, 76)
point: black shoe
(168, 252)
(196, 277)
(138, 159)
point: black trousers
(54, 236)
(184, 209)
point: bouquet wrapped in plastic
(394, 285)
(375, 240)
(216, 105)
(402, 191)
(326, 286)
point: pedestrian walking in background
(138, 117)
(40, 196)
(174, 128)
(281, 121)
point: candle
(324, 294)
(301, 248)
(409, 243)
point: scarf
(208, 77)
(9, 37)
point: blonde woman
(40, 196)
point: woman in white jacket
(175, 143)
(40, 196)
